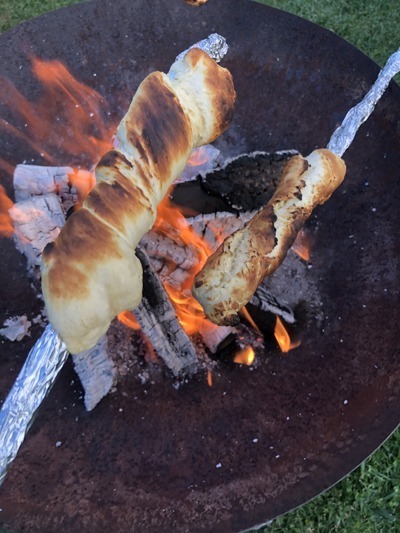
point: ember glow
(245, 357)
(302, 245)
(128, 319)
(171, 222)
(6, 228)
(283, 338)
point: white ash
(296, 283)
(96, 371)
(37, 221)
(202, 160)
(67, 183)
(16, 328)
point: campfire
(169, 321)
(233, 444)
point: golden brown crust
(196, 2)
(90, 273)
(231, 276)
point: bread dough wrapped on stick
(232, 274)
(91, 273)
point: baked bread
(91, 273)
(232, 274)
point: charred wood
(265, 301)
(66, 182)
(96, 371)
(248, 181)
(157, 318)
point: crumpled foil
(215, 45)
(345, 133)
(49, 354)
(36, 378)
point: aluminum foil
(215, 45)
(49, 354)
(36, 378)
(345, 133)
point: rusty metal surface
(146, 459)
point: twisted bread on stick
(232, 274)
(91, 273)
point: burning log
(232, 275)
(96, 372)
(173, 259)
(154, 140)
(264, 300)
(66, 182)
(159, 322)
(247, 181)
(37, 221)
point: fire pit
(258, 442)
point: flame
(198, 157)
(73, 119)
(171, 222)
(6, 227)
(245, 357)
(302, 245)
(247, 316)
(283, 338)
(68, 117)
(209, 378)
(129, 320)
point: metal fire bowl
(147, 459)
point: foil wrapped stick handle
(32, 385)
(343, 136)
(49, 354)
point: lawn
(369, 499)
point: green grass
(368, 500)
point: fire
(129, 319)
(245, 357)
(283, 338)
(170, 221)
(302, 245)
(209, 378)
(198, 157)
(6, 228)
(67, 118)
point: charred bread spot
(166, 140)
(67, 282)
(84, 240)
(112, 159)
(114, 204)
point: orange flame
(209, 378)
(67, 118)
(198, 157)
(245, 357)
(6, 228)
(72, 118)
(283, 338)
(302, 245)
(128, 319)
(170, 221)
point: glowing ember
(283, 338)
(246, 315)
(199, 157)
(209, 378)
(245, 357)
(128, 319)
(302, 245)
(6, 228)
(171, 222)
